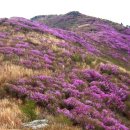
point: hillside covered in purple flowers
(76, 66)
(111, 40)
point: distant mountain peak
(74, 13)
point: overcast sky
(115, 10)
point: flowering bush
(109, 69)
(91, 106)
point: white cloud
(115, 10)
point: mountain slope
(64, 74)
(112, 40)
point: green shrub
(76, 57)
(89, 60)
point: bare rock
(36, 124)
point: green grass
(29, 109)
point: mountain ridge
(49, 18)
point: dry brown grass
(60, 123)
(11, 118)
(10, 115)
(11, 72)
